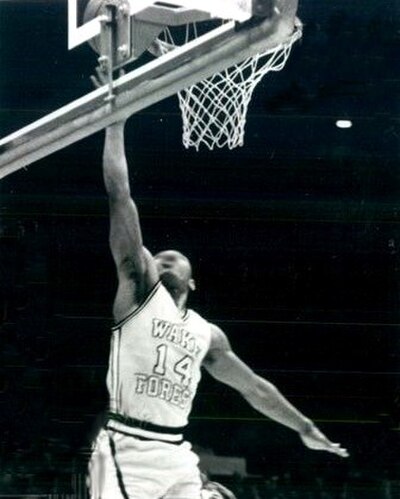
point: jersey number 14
(183, 367)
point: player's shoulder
(219, 340)
(193, 315)
(214, 329)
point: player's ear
(192, 284)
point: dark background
(294, 239)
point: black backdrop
(294, 240)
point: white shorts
(125, 467)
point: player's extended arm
(225, 366)
(135, 267)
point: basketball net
(214, 110)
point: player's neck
(180, 299)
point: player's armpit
(133, 285)
(225, 366)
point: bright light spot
(344, 124)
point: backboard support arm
(106, 59)
(139, 89)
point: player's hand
(100, 78)
(314, 439)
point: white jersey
(155, 361)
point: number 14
(183, 367)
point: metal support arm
(139, 89)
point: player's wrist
(306, 427)
(116, 127)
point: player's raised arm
(135, 267)
(222, 363)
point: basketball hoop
(214, 110)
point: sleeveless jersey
(155, 361)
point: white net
(214, 110)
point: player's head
(175, 271)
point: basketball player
(158, 347)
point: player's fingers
(100, 75)
(332, 447)
(343, 452)
(95, 81)
(340, 451)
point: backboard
(238, 10)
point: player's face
(174, 269)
